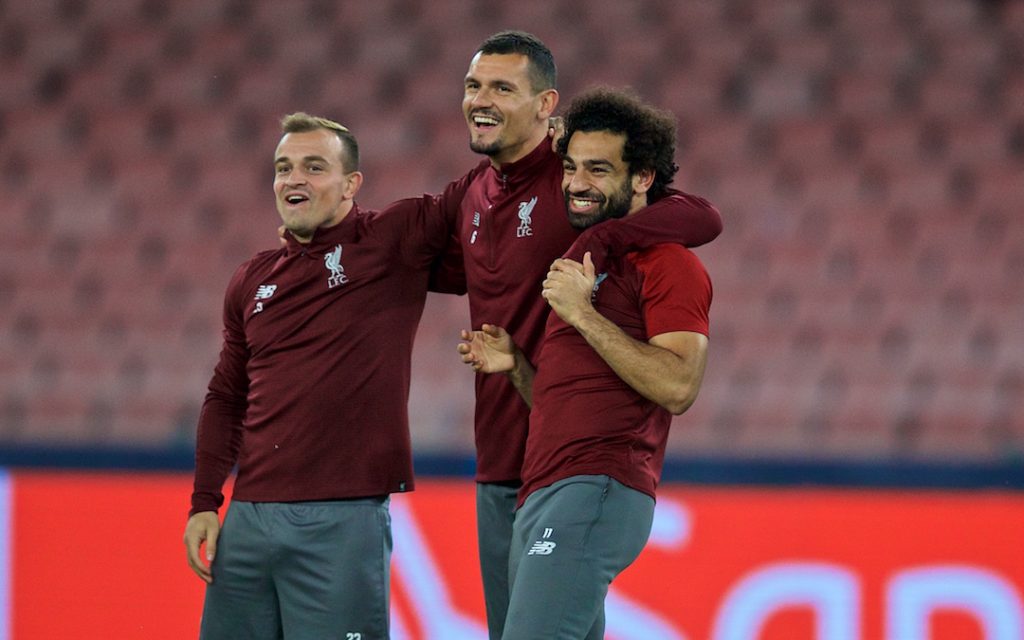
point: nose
(577, 184)
(294, 177)
(480, 98)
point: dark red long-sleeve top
(310, 394)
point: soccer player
(624, 350)
(309, 399)
(512, 225)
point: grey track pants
(316, 570)
(569, 542)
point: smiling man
(624, 350)
(512, 225)
(309, 399)
(585, 201)
(316, 177)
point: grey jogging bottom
(569, 542)
(301, 570)
(495, 512)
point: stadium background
(868, 322)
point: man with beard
(624, 350)
(512, 225)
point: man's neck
(343, 211)
(638, 203)
(521, 151)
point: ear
(353, 181)
(642, 181)
(548, 104)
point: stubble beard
(299, 230)
(487, 149)
(615, 205)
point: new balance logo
(265, 291)
(543, 547)
(476, 223)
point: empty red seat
(866, 157)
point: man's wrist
(516, 363)
(579, 319)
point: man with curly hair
(624, 350)
(512, 225)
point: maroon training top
(585, 419)
(310, 394)
(513, 225)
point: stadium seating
(868, 158)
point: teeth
(295, 199)
(581, 204)
(484, 120)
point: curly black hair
(650, 132)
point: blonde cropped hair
(300, 122)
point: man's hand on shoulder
(556, 129)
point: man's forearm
(521, 376)
(657, 374)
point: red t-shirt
(585, 419)
(513, 226)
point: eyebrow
(305, 159)
(494, 81)
(600, 162)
